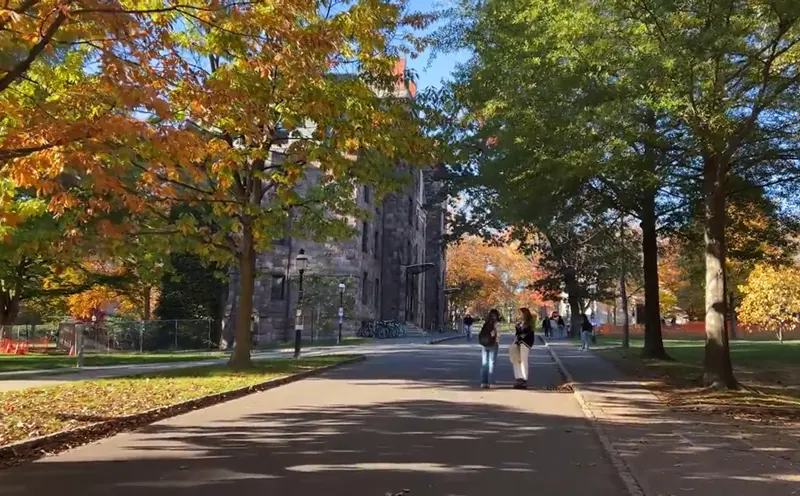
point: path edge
(32, 449)
(624, 470)
(442, 340)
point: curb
(442, 340)
(623, 469)
(32, 449)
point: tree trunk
(717, 364)
(623, 290)
(574, 300)
(9, 308)
(147, 300)
(626, 324)
(240, 358)
(653, 341)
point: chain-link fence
(111, 335)
(145, 336)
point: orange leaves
(490, 275)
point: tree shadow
(414, 420)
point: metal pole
(141, 338)
(176, 334)
(341, 315)
(298, 324)
(79, 345)
(209, 333)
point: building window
(377, 244)
(367, 198)
(365, 237)
(377, 293)
(410, 210)
(277, 288)
(364, 289)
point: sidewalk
(670, 453)
(51, 377)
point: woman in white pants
(519, 351)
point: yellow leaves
(490, 275)
(771, 298)
(98, 299)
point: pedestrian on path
(519, 351)
(562, 328)
(468, 321)
(489, 339)
(586, 333)
(547, 327)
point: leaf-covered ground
(36, 361)
(35, 412)
(768, 371)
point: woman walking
(586, 333)
(489, 340)
(519, 351)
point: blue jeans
(586, 338)
(488, 359)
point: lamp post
(302, 262)
(341, 312)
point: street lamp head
(341, 287)
(302, 261)
(94, 318)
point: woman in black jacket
(519, 351)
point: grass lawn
(769, 372)
(38, 411)
(36, 361)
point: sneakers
(521, 384)
(484, 386)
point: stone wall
(375, 277)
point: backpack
(485, 337)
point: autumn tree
(491, 275)
(44, 256)
(771, 299)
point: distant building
(393, 267)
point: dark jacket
(468, 321)
(524, 335)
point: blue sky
(431, 74)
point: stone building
(391, 269)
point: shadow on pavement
(428, 447)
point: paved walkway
(12, 381)
(682, 454)
(407, 419)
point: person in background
(562, 328)
(547, 327)
(489, 338)
(519, 351)
(468, 321)
(586, 333)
